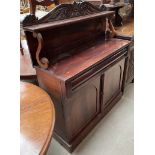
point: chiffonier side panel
(53, 87)
(130, 71)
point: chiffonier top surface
(86, 58)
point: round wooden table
(37, 118)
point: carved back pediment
(63, 11)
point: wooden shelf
(55, 24)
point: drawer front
(76, 82)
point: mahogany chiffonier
(80, 64)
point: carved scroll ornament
(43, 62)
(29, 20)
(63, 11)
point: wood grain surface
(37, 118)
(86, 57)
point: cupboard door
(82, 106)
(112, 82)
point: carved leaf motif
(63, 11)
(29, 20)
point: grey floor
(113, 135)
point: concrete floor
(113, 135)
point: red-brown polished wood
(37, 118)
(86, 57)
(86, 67)
(61, 23)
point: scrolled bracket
(43, 62)
(112, 29)
(108, 28)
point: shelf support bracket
(43, 62)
